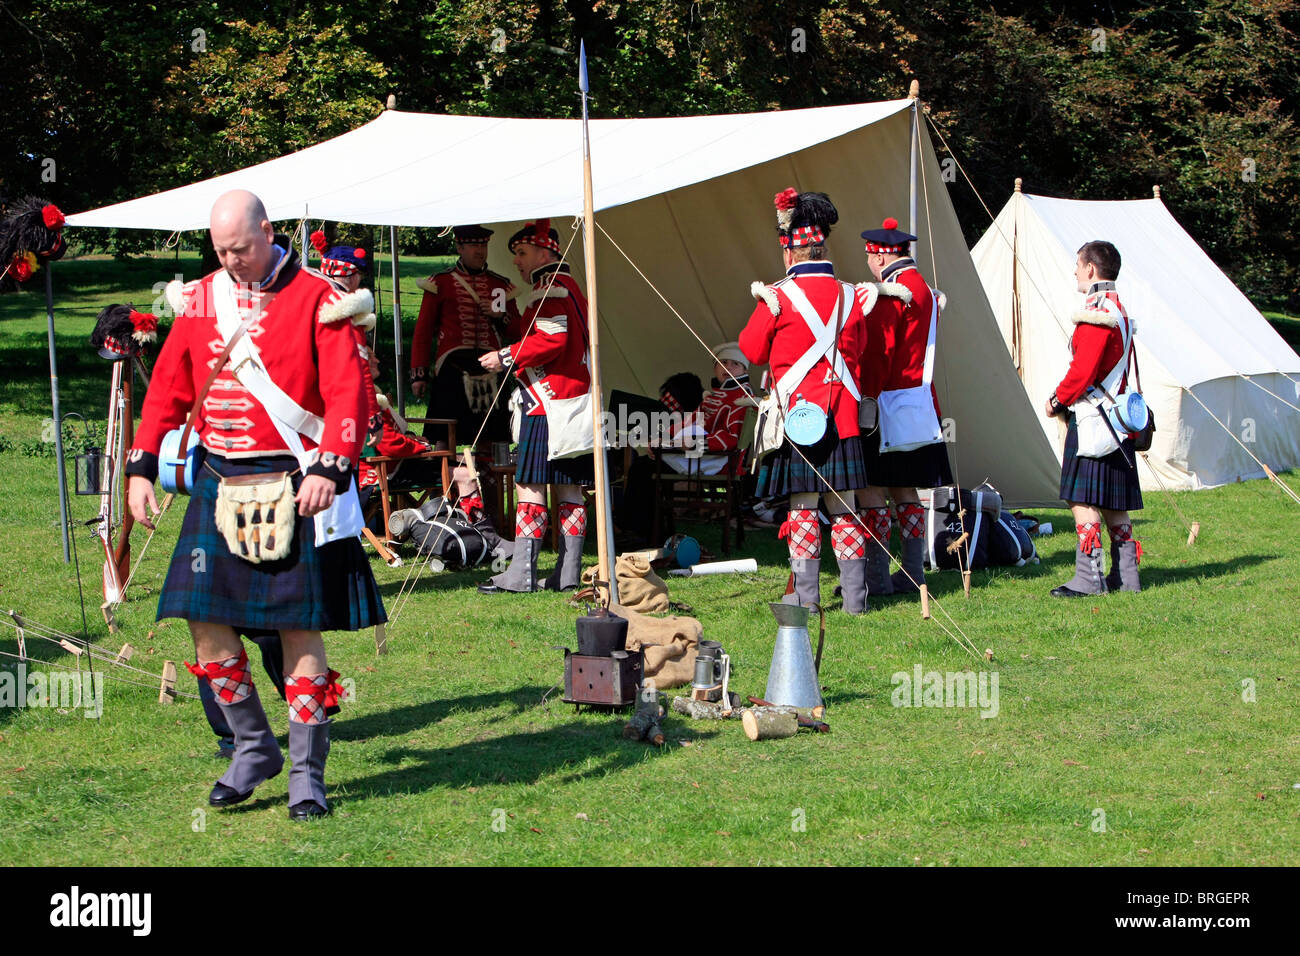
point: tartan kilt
(447, 399)
(535, 468)
(838, 459)
(329, 588)
(1110, 482)
(924, 467)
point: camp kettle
(792, 679)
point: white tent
(1204, 352)
(689, 200)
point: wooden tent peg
(125, 654)
(925, 602)
(381, 640)
(167, 687)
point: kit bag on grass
(1009, 543)
(945, 524)
(907, 417)
(450, 536)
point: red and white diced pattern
(531, 520)
(573, 519)
(911, 521)
(848, 538)
(803, 533)
(230, 679)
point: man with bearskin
(551, 361)
(300, 342)
(1106, 488)
(808, 328)
(901, 307)
(465, 309)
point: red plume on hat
(53, 217)
(145, 325)
(319, 242)
(785, 202)
(890, 223)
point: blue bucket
(1130, 414)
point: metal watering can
(792, 680)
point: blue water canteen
(805, 423)
(169, 456)
(1129, 414)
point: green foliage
(1097, 101)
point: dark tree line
(107, 101)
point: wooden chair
(392, 499)
(707, 497)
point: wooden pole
(914, 94)
(604, 593)
(398, 371)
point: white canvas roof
(1197, 334)
(689, 200)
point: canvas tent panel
(1182, 300)
(411, 169)
(702, 245)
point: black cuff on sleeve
(336, 469)
(142, 463)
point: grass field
(1158, 728)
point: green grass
(1288, 326)
(1131, 705)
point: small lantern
(89, 468)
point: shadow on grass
(403, 720)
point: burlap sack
(668, 645)
(639, 588)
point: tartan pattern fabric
(330, 588)
(230, 679)
(536, 468)
(1110, 482)
(573, 519)
(1123, 533)
(911, 521)
(1089, 536)
(472, 505)
(802, 530)
(849, 538)
(838, 460)
(531, 520)
(306, 696)
(878, 521)
(924, 467)
(803, 236)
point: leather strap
(203, 393)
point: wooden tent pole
(914, 94)
(604, 592)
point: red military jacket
(722, 412)
(461, 310)
(396, 440)
(884, 306)
(778, 336)
(551, 358)
(912, 330)
(309, 349)
(1097, 343)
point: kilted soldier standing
(1107, 487)
(552, 364)
(906, 316)
(808, 328)
(301, 342)
(466, 309)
